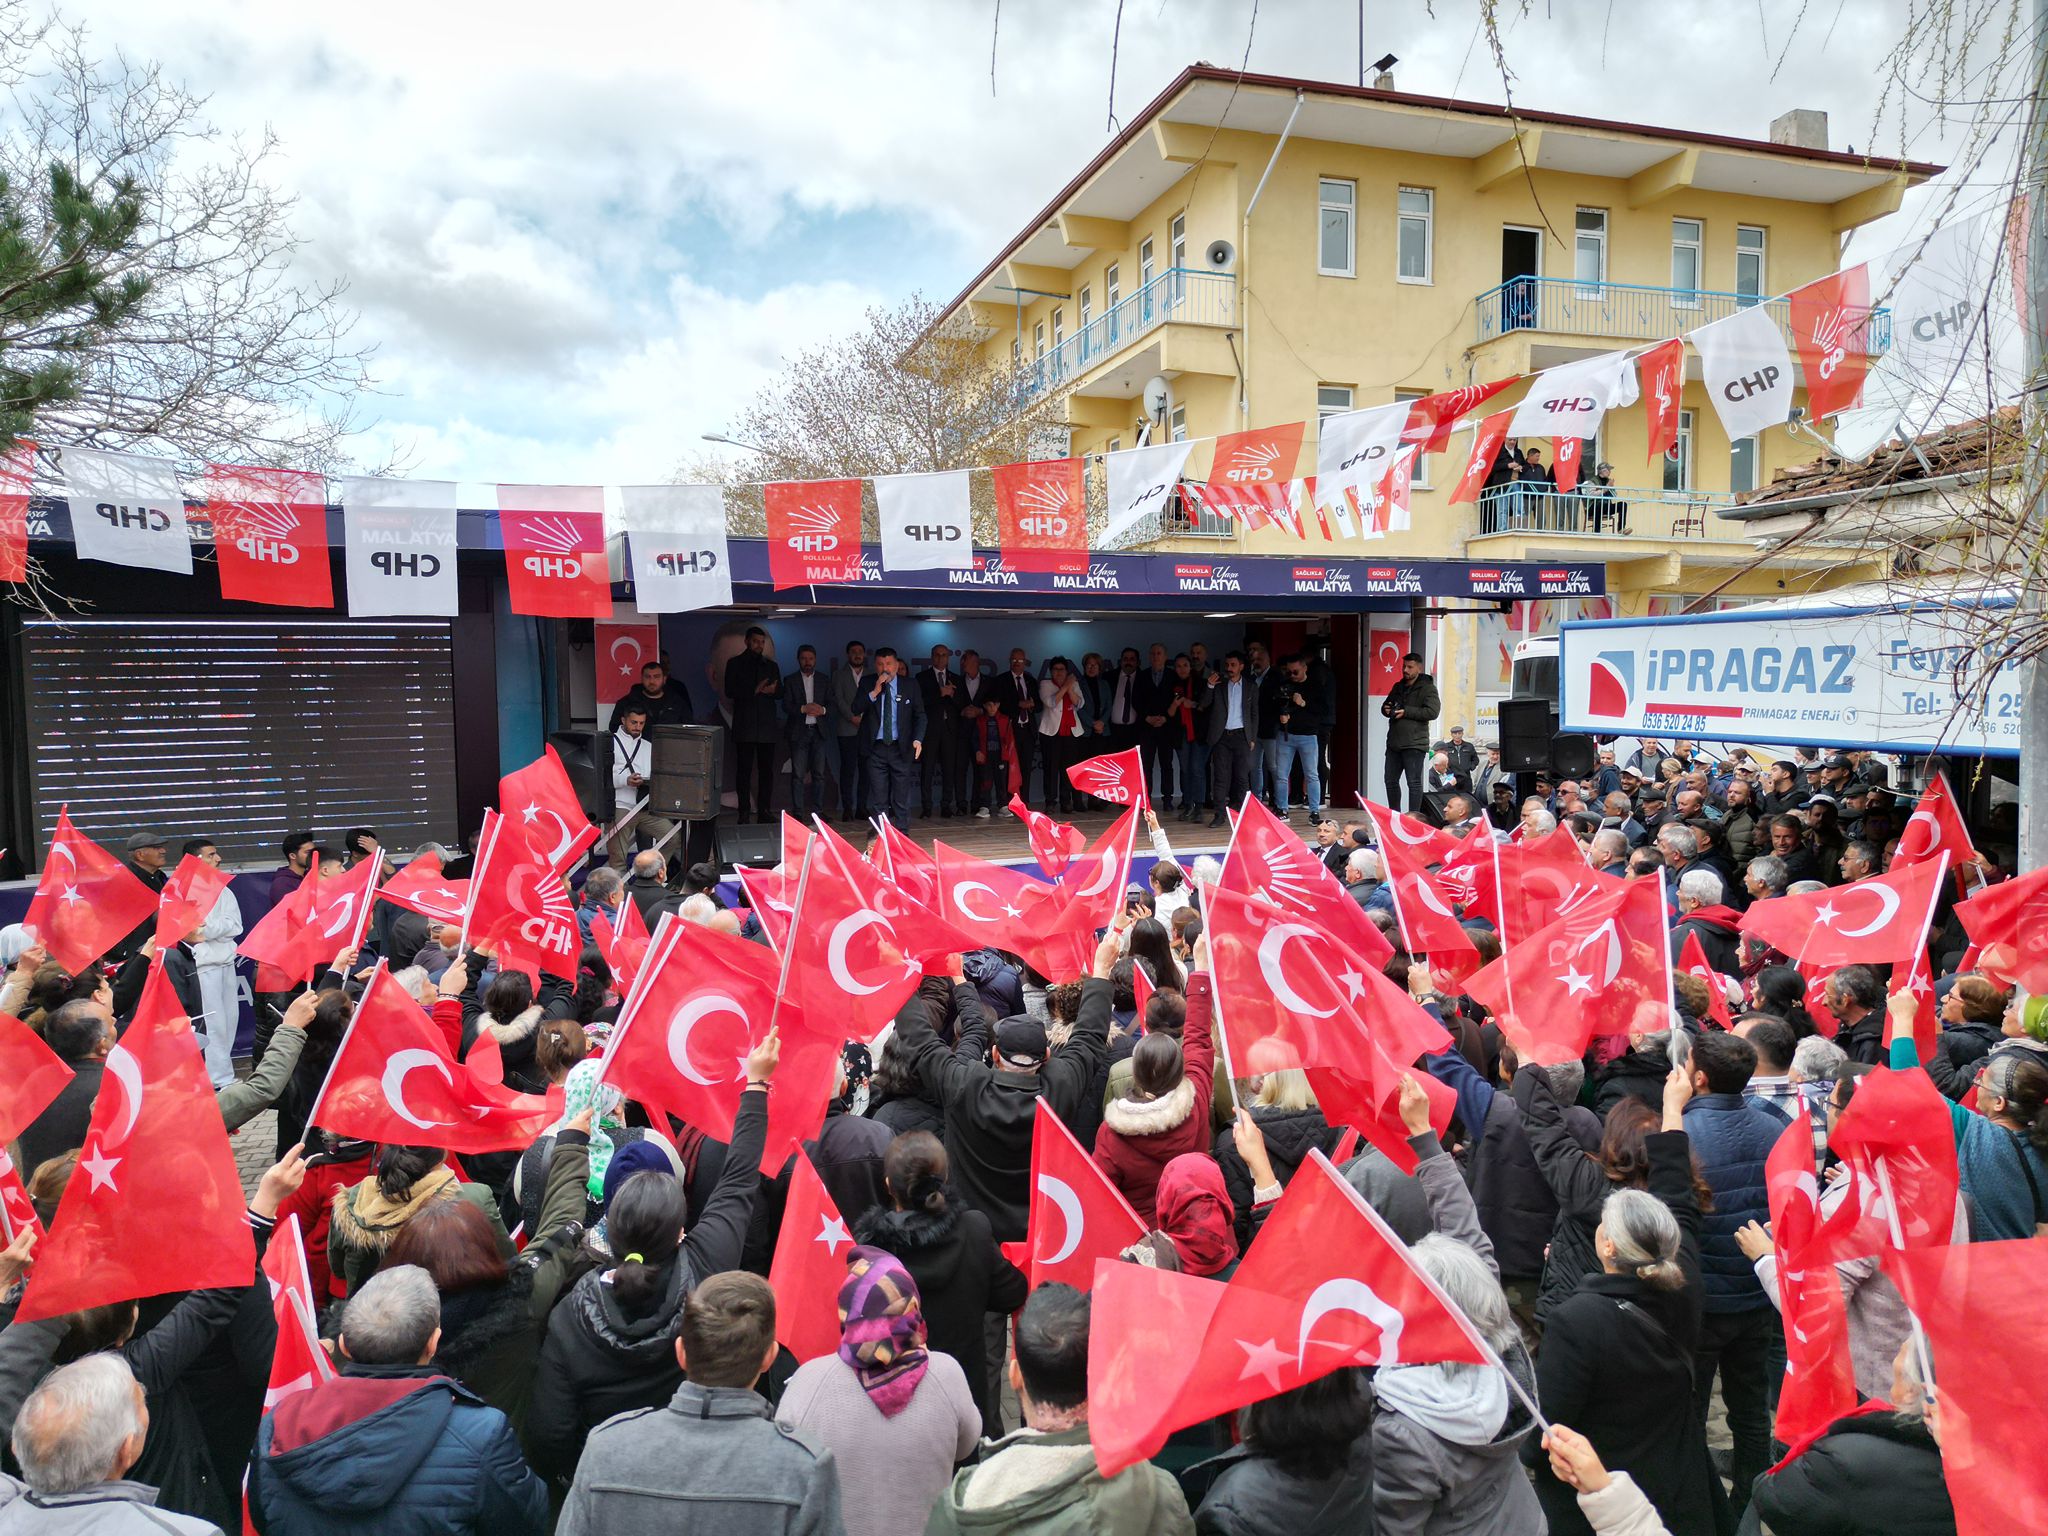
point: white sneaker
(982, 814)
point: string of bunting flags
(399, 537)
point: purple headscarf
(881, 1328)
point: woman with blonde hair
(1283, 1106)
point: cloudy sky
(580, 237)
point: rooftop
(1966, 448)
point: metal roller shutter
(241, 730)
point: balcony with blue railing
(1630, 313)
(1179, 296)
(1613, 512)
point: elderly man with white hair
(1609, 852)
(1700, 912)
(1536, 821)
(1364, 879)
(75, 1439)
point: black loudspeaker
(1526, 726)
(689, 771)
(757, 845)
(1434, 806)
(587, 757)
(1573, 757)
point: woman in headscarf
(609, 1133)
(895, 1416)
(369, 1215)
(1196, 1232)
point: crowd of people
(581, 1332)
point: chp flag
(675, 536)
(398, 547)
(1748, 370)
(1141, 482)
(1354, 451)
(1117, 777)
(926, 521)
(1042, 516)
(1571, 399)
(270, 535)
(1662, 373)
(17, 489)
(813, 532)
(126, 509)
(555, 561)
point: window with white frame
(1038, 339)
(1678, 458)
(1419, 480)
(1686, 242)
(1177, 239)
(1415, 237)
(1145, 263)
(1016, 352)
(1177, 425)
(1059, 326)
(1087, 306)
(1337, 228)
(1749, 262)
(1115, 445)
(1111, 289)
(1589, 246)
(1742, 457)
(1333, 399)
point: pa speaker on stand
(1526, 726)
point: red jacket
(1138, 1139)
(313, 1203)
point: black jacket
(1616, 1365)
(1290, 1135)
(753, 712)
(672, 708)
(1269, 702)
(1719, 941)
(940, 712)
(1316, 714)
(1633, 1074)
(1017, 696)
(961, 1277)
(1864, 1040)
(647, 895)
(1873, 1472)
(909, 1112)
(1578, 1183)
(1419, 704)
(1150, 696)
(597, 1360)
(989, 1110)
(61, 1127)
(1958, 1055)
(1252, 1495)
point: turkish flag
(1521, 887)
(1564, 461)
(1830, 317)
(796, 837)
(270, 535)
(913, 871)
(1077, 1216)
(17, 485)
(811, 1253)
(1820, 1381)
(1053, 843)
(555, 561)
(187, 897)
(520, 905)
(298, 1362)
(393, 1080)
(421, 887)
(1423, 843)
(1692, 959)
(1989, 1339)
(1144, 1324)
(1601, 969)
(1090, 893)
(1141, 991)
(623, 648)
(1423, 910)
(16, 1209)
(1661, 371)
(156, 1202)
(1874, 921)
(1118, 777)
(1042, 516)
(917, 927)
(2007, 924)
(542, 802)
(34, 1075)
(813, 532)
(314, 923)
(86, 900)
(1935, 827)
(1904, 1137)
(1264, 457)
(1433, 418)
(1387, 646)
(703, 1002)
(1918, 980)
(624, 946)
(1265, 859)
(994, 904)
(772, 899)
(1486, 441)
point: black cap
(1834, 760)
(1021, 1039)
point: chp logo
(262, 531)
(1497, 581)
(1392, 578)
(1253, 464)
(1044, 510)
(1207, 578)
(1320, 579)
(146, 518)
(1762, 382)
(814, 530)
(554, 549)
(686, 562)
(1611, 684)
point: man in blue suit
(892, 728)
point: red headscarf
(1194, 1211)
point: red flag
(519, 904)
(314, 923)
(623, 946)
(1898, 1132)
(542, 803)
(1935, 827)
(1601, 969)
(34, 1075)
(2008, 928)
(916, 927)
(16, 1209)
(682, 1040)
(1117, 777)
(1521, 887)
(1388, 646)
(1042, 516)
(394, 1080)
(156, 1204)
(913, 871)
(795, 838)
(1423, 911)
(1425, 844)
(1989, 1340)
(1141, 990)
(1266, 859)
(1144, 1323)
(1918, 981)
(1829, 318)
(1091, 893)
(299, 1362)
(270, 535)
(555, 561)
(421, 887)
(1564, 462)
(17, 484)
(1692, 959)
(1262, 458)
(813, 532)
(86, 901)
(187, 897)
(1077, 1216)
(1820, 1381)
(811, 1253)
(1053, 843)
(1874, 921)
(1433, 418)
(992, 903)
(1486, 442)
(773, 900)
(1661, 371)
(622, 650)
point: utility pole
(2034, 721)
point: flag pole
(1898, 1237)
(320, 1098)
(796, 912)
(1679, 1052)
(1500, 897)
(658, 950)
(477, 868)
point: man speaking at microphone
(892, 725)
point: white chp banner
(126, 509)
(1748, 370)
(1925, 679)
(1570, 400)
(676, 534)
(1141, 482)
(399, 542)
(926, 521)
(1354, 451)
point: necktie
(889, 712)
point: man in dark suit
(1123, 704)
(892, 724)
(938, 691)
(976, 781)
(1233, 729)
(752, 685)
(1017, 695)
(1156, 721)
(806, 701)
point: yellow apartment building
(1279, 250)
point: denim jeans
(807, 760)
(1194, 773)
(1290, 748)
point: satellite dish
(1157, 398)
(1221, 254)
